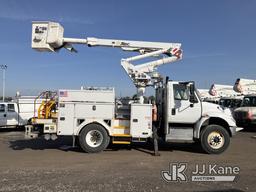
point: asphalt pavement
(39, 165)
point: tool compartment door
(66, 119)
(141, 120)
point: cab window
(249, 102)
(11, 108)
(180, 92)
(2, 108)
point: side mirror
(192, 99)
(192, 89)
(192, 96)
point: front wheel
(93, 138)
(214, 139)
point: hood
(215, 108)
(244, 109)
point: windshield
(249, 101)
(225, 102)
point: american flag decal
(63, 94)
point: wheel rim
(94, 138)
(215, 140)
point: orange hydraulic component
(47, 108)
(154, 113)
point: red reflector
(249, 115)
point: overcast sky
(218, 39)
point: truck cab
(9, 115)
(184, 117)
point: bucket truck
(217, 90)
(246, 114)
(245, 86)
(225, 96)
(91, 115)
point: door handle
(173, 111)
(191, 105)
(62, 118)
(135, 120)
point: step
(121, 135)
(121, 127)
(121, 142)
(121, 139)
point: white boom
(245, 86)
(218, 90)
(48, 36)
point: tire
(214, 139)
(93, 138)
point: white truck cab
(184, 117)
(9, 115)
(18, 112)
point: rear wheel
(214, 139)
(93, 138)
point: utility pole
(3, 67)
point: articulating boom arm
(48, 36)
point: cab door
(3, 115)
(12, 114)
(181, 109)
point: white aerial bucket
(46, 36)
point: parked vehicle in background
(223, 95)
(245, 86)
(231, 102)
(18, 112)
(217, 90)
(246, 114)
